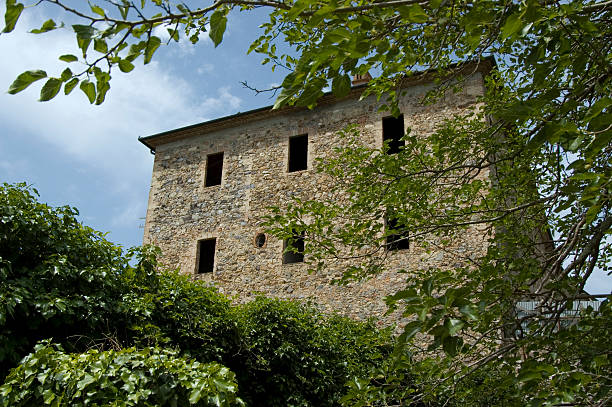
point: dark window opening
(260, 240)
(298, 153)
(214, 169)
(393, 131)
(293, 249)
(206, 255)
(399, 239)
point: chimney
(361, 79)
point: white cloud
(128, 214)
(205, 68)
(224, 100)
(146, 101)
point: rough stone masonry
(214, 232)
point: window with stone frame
(293, 248)
(298, 153)
(393, 131)
(214, 169)
(205, 256)
(397, 237)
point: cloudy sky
(88, 156)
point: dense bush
(300, 357)
(165, 307)
(64, 282)
(129, 377)
(60, 279)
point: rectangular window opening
(206, 255)
(393, 131)
(298, 153)
(293, 249)
(214, 169)
(398, 240)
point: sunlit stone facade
(183, 210)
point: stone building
(213, 181)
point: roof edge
(155, 140)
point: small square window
(214, 169)
(298, 153)
(206, 255)
(293, 249)
(398, 239)
(393, 131)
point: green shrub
(128, 377)
(294, 355)
(59, 278)
(170, 308)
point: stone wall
(183, 211)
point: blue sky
(89, 156)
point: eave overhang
(267, 112)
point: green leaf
(25, 79)
(282, 99)
(48, 396)
(341, 86)
(98, 10)
(50, 89)
(224, 386)
(427, 285)
(88, 379)
(453, 325)
(100, 46)
(84, 34)
(298, 7)
(599, 143)
(89, 89)
(195, 396)
(68, 58)
(66, 75)
(103, 87)
(135, 50)
(84, 31)
(218, 22)
(597, 108)
(174, 34)
(416, 14)
(151, 47)
(125, 65)
(69, 86)
(48, 25)
(513, 25)
(451, 345)
(469, 311)
(13, 11)
(526, 375)
(123, 11)
(311, 93)
(411, 329)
